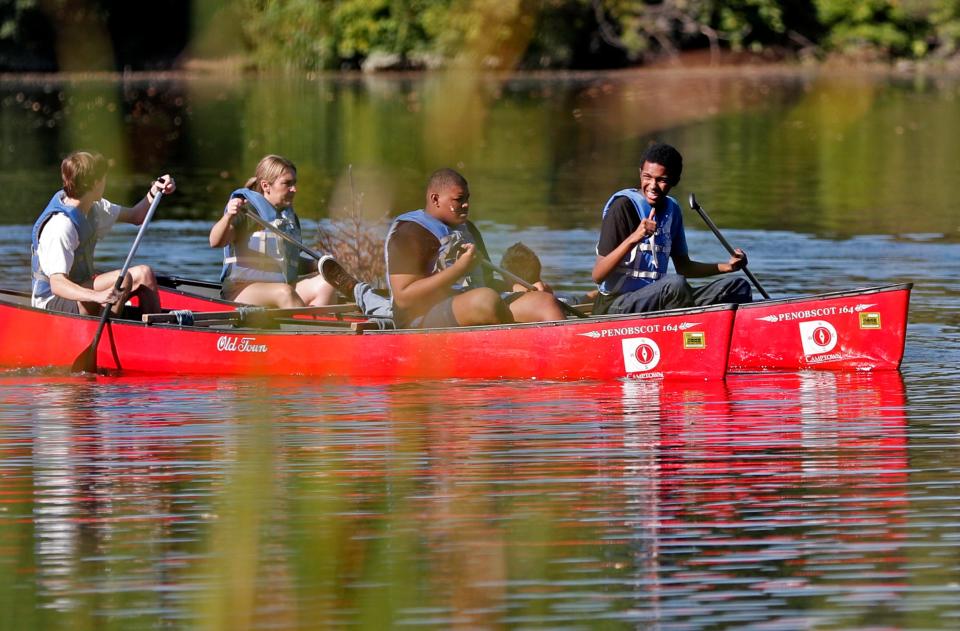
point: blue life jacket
(448, 238)
(82, 269)
(648, 260)
(257, 254)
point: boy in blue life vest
(640, 232)
(433, 270)
(66, 233)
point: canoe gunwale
(830, 295)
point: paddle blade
(86, 361)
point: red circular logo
(644, 353)
(822, 335)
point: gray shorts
(440, 316)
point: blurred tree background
(314, 35)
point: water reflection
(767, 148)
(240, 503)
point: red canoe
(686, 344)
(863, 329)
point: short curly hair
(522, 261)
(666, 156)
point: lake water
(765, 501)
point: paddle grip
(726, 244)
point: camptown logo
(640, 354)
(817, 337)
(237, 344)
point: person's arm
(606, 263)
(695, 269)
(65, 288)
(138, 212)
(224, 232)
(410, 290)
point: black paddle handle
(726, 244)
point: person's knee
(287, 297)
(483, 306)
(488, 306)
(142, 275)
(536, 307)
(674, 285)
(675, 293)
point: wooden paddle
(716, 231)
(87, 360)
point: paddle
(87, 360)
(516, 279)
(252, 214)
(187, 317)
(706, 218)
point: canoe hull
(682, 344)
(863, 329)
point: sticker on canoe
(237, 344)
(640, 354)
(870, 320)
(695, 339)
(817, 337)
(639, 330)
(820, 312)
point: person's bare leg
(279, 295)
(106, 281)
(316, 292)
(478, 306)
(145, 288)
(536, 306)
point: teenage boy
(433, 270)
(66, 233)
(640, 232)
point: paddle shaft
(516, 279)
(280, 233)
(89, 364)
(726, 244)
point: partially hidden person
(433, 266)
(640, 233)
(65, 236)
(519, 259)
(261, 268)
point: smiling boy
(433, 270)
(641, 231)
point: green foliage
(11, 17)
(312, 35)
(870, 24)
(388, 26)
(292, 34)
